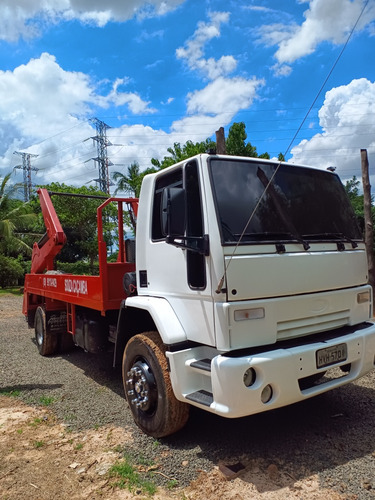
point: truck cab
(252, 275)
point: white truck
(249, 292)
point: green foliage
(235, 145)
(80, 267)
(131, 182)
(179, 153)
(12, 393)
(16, 219)
(11, 271)
(235, 142)
(126, 476)
(46, 400)
(356, 200)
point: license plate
(331, 355)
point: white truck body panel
(297, 293)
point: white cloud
(134, 102)
(193, 51)
(281, 69)
(26, 17)
(224, 95)
(44, 110)
(325, 20)
(346, 119)
(215, 106)
(37, 97)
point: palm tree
(131, 183)
(14, 218)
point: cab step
(202, 364)
(202, 397)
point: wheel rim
(39, 331)
(141, 387)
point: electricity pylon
(27, 168)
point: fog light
(249, 377)
(266, 395)
(363, 297)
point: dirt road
(65, 432)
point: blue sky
(165, 71)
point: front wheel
(148, 387)
(46, 340)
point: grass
(14, 290)
(37, 421)
(126, 476)
(13, 394)
(39, 444)
(173, 483)
(46, 400)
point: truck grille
(314, 324)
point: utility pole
(220, 141)
(102, 158)
(27, 168)
(369, 230)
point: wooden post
(220, 142)
(369, 230)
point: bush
(79, 267)
(11, 271)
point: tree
(356, 199)
(11, 271)
(16, 218)
(130, 183)
(179, 153)
(236, 145)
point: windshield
(301, 204)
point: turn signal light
(363, 297)
(244, 314)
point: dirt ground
(41, 459)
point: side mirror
(173, 212)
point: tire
(46, 341)
(148, 387)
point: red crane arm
(52, 242)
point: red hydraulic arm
(52, 242)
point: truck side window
(173, 179)
(194, 227)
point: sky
(157, 72)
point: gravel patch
(332, 436)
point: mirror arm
(202, 243)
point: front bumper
(285, 370)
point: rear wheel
(148, 387)
(46, 340)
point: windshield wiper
(273, 237)
(331, 237)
